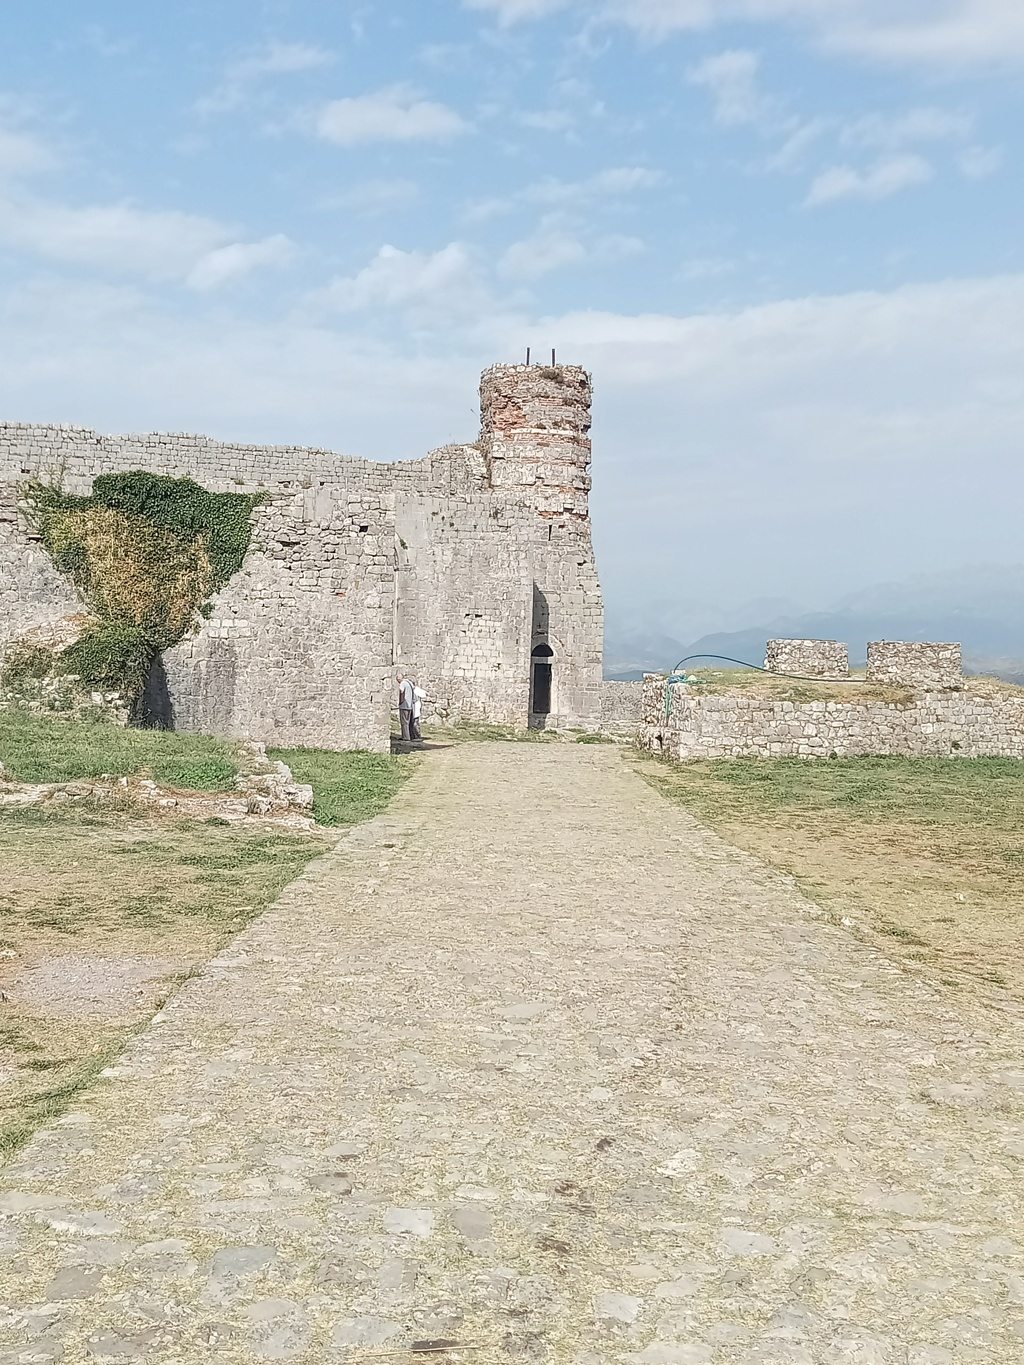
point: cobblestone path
(537, 1065)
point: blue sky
(785, 235)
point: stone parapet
(684, 725)
(808, 658)
(913, 663)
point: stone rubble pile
(272, 796)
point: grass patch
(45, 749)
(920, 854)
(748, 682)
(120, 888)
(347, 788)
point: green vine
(146, 553)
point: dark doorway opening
(155, 710)
(540, 695)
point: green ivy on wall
(146, 553)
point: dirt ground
(924, 859)
(102, 916)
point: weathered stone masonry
(934, 713)
(471, 569)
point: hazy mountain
(982, 607)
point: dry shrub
(139, 574)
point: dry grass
(482, 731)
(130, 898)
(923, 856)
(748, 682)
(142, 574)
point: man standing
(418, 698)
(406, 703)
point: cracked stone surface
(537, 1065)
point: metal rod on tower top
(552, 355)
(527, 355)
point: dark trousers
(405, 716)
(414, 728)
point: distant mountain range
(982, 607)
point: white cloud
(706, 268)
(21, 154)
(823, 439)
(946, 33)
(276, 59)
(121, 239)
(781, 430)
(281, 58)
(375, 196)
(908, 129)
(396, 114)
(613, 183)
(226, 263)
(160, 244)
(978, 163)
(547, 120)
(554, 246)
(950, 33)
(444, 283)
(731, 78)
(879, 181)
(548, 249)
(512, 11)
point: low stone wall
(808, 658)
(933, 724)
(911, 663)
(621, 704)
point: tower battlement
(535, 434)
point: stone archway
(541, 680)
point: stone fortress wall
(940, 714)
(454, 568)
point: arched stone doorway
(541, 680)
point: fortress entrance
(540, 681)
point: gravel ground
(536, 1066)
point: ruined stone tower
(535, 436)
(515, 632)
(471, 569)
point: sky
(784, 235)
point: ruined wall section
(970, 723)
(463, 591)
(33, 595)
(808, 658)
(297, 651)
(914, 663)
(622, 707)
(298, 647)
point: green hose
(676, 677)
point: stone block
(808, 658)
(912, 663)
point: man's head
(399, 677)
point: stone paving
(536, 1067)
